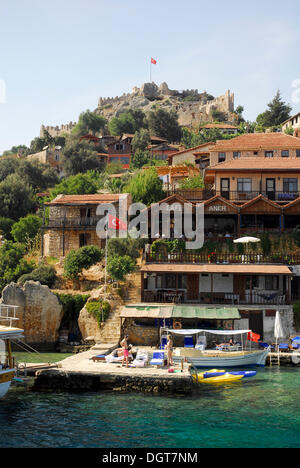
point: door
(193, 287)
(256, 323)
(225, 188)
(270, 188)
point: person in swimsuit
(124, 344)
(169, 348)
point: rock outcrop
(192, 107)
(39, 311)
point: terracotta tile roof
(211, 268)
(258, 163)
(93, 199)
(189, 150)
(256, 141)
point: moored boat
(7, 333)
(202, 358)
(223, 378)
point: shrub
(99, 310)
(26, 228)
(12, 263)
(121, 247)
(5, 227)
(45, 274)
(119, 266)
(80, 259)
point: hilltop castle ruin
(193, 108)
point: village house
(198, 156)
(255, 145)
(51, 156)
(292, 123)
(72, 222)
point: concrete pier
(81, 373)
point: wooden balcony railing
(234, 196)
(180, 297)
(230, 258)
(76, 222)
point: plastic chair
(188, 342)
(263, 345)
(283, 347)
(157, 358)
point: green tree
(192, 183)
(139, 159)
(26, 228)
(79, 157)
(89, 122)
(127, 122)
(79, 184)
(12, 263)
(16, 198)
(5, 227)
(277, 113)
(145, 187)
(45, 274)
(141, 140)
(120, 266)
(80, 259)
(164, 124)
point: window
(57, 157)
(222, 157)
(244, 185)
(285, 154)
(170, 281)
(290, 185)
(236, 154)
(269, 154)
(119, 146)
(271, 283)
(255, 282)
(255, 153)
(298, 153)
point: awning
(146, 311)
(184, 312)
(243, 269)
(206, 312)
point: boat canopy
(213, 332)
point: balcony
(233, 196)
(75, 223)
(224, 259)
(246, 298)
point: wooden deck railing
(230, 258)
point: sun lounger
(157, 358)
(100, 357)
(141, 359)
(188, 342)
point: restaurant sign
(217, 208)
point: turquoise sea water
(260, 412)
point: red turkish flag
(116, 223)
(253, 337)
(153, 61)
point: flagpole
(150, 70)
(105, 277)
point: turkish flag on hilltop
(153, 61)
(253, 337)
(116, 223)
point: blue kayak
(245, 374)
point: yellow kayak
(225, 378)
(201, 375)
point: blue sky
(58, 57)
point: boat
(7, 334)
(223, 378)
(210, 359)
(216, 373)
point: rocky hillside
(192, 107)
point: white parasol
(278, 330)
(246, 240)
